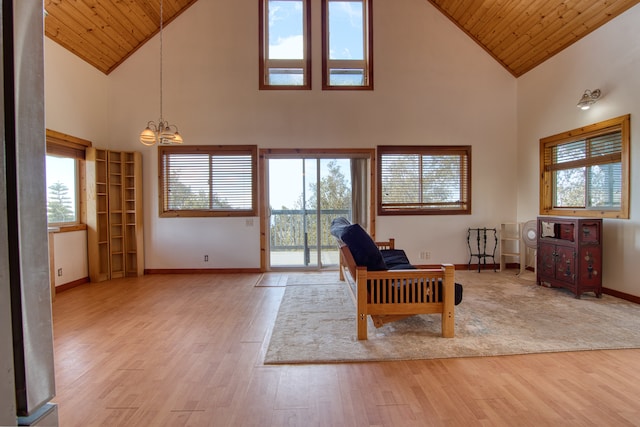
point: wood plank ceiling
(106, 32)
(519, 34)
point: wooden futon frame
(391, 295)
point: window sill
(67, 228)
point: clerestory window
(347, 44)
(285, 54)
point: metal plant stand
(480, 236)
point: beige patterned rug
(500, 314)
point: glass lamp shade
(148, 137)
(585, 102)
(588, 99)
(166, 133)
(160, 134)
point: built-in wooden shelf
(114, 214)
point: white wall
(75, 95)
(608, 59)
(75, 104)
(433, 85)
(70, 250)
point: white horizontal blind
(590, 167)
(186, 181)
(596, 150)
(424, 179)
(400, 174)
(208, 179)
(231, 181)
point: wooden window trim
(60, 144)
(209, 149)
(67, 228)
(63, 145)
(263, 62)
(368, 61)
(283, 153)
(463, 150)
(621, 123)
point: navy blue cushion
(402, 267)
(364, 250)
(394, 258)
(338, 225)
(458, 292)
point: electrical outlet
(59, 272)
(425, 255)
(206, 258)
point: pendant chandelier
(161, 132)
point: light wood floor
(178, 350)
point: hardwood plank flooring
(187, 350)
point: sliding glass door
(304, 195)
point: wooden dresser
(570, 254)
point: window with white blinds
(208, 180)
(424, 180)
(585, 171)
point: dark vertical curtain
(359, 193)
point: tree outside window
(585, 171)
(424, 180)
(62, 196)
(208, 180)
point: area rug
(316, 278)
(500, 315)
(279, 279)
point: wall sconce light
(588, 98)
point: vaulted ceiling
(106, 32)
(519, 34)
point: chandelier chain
(161, 20)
